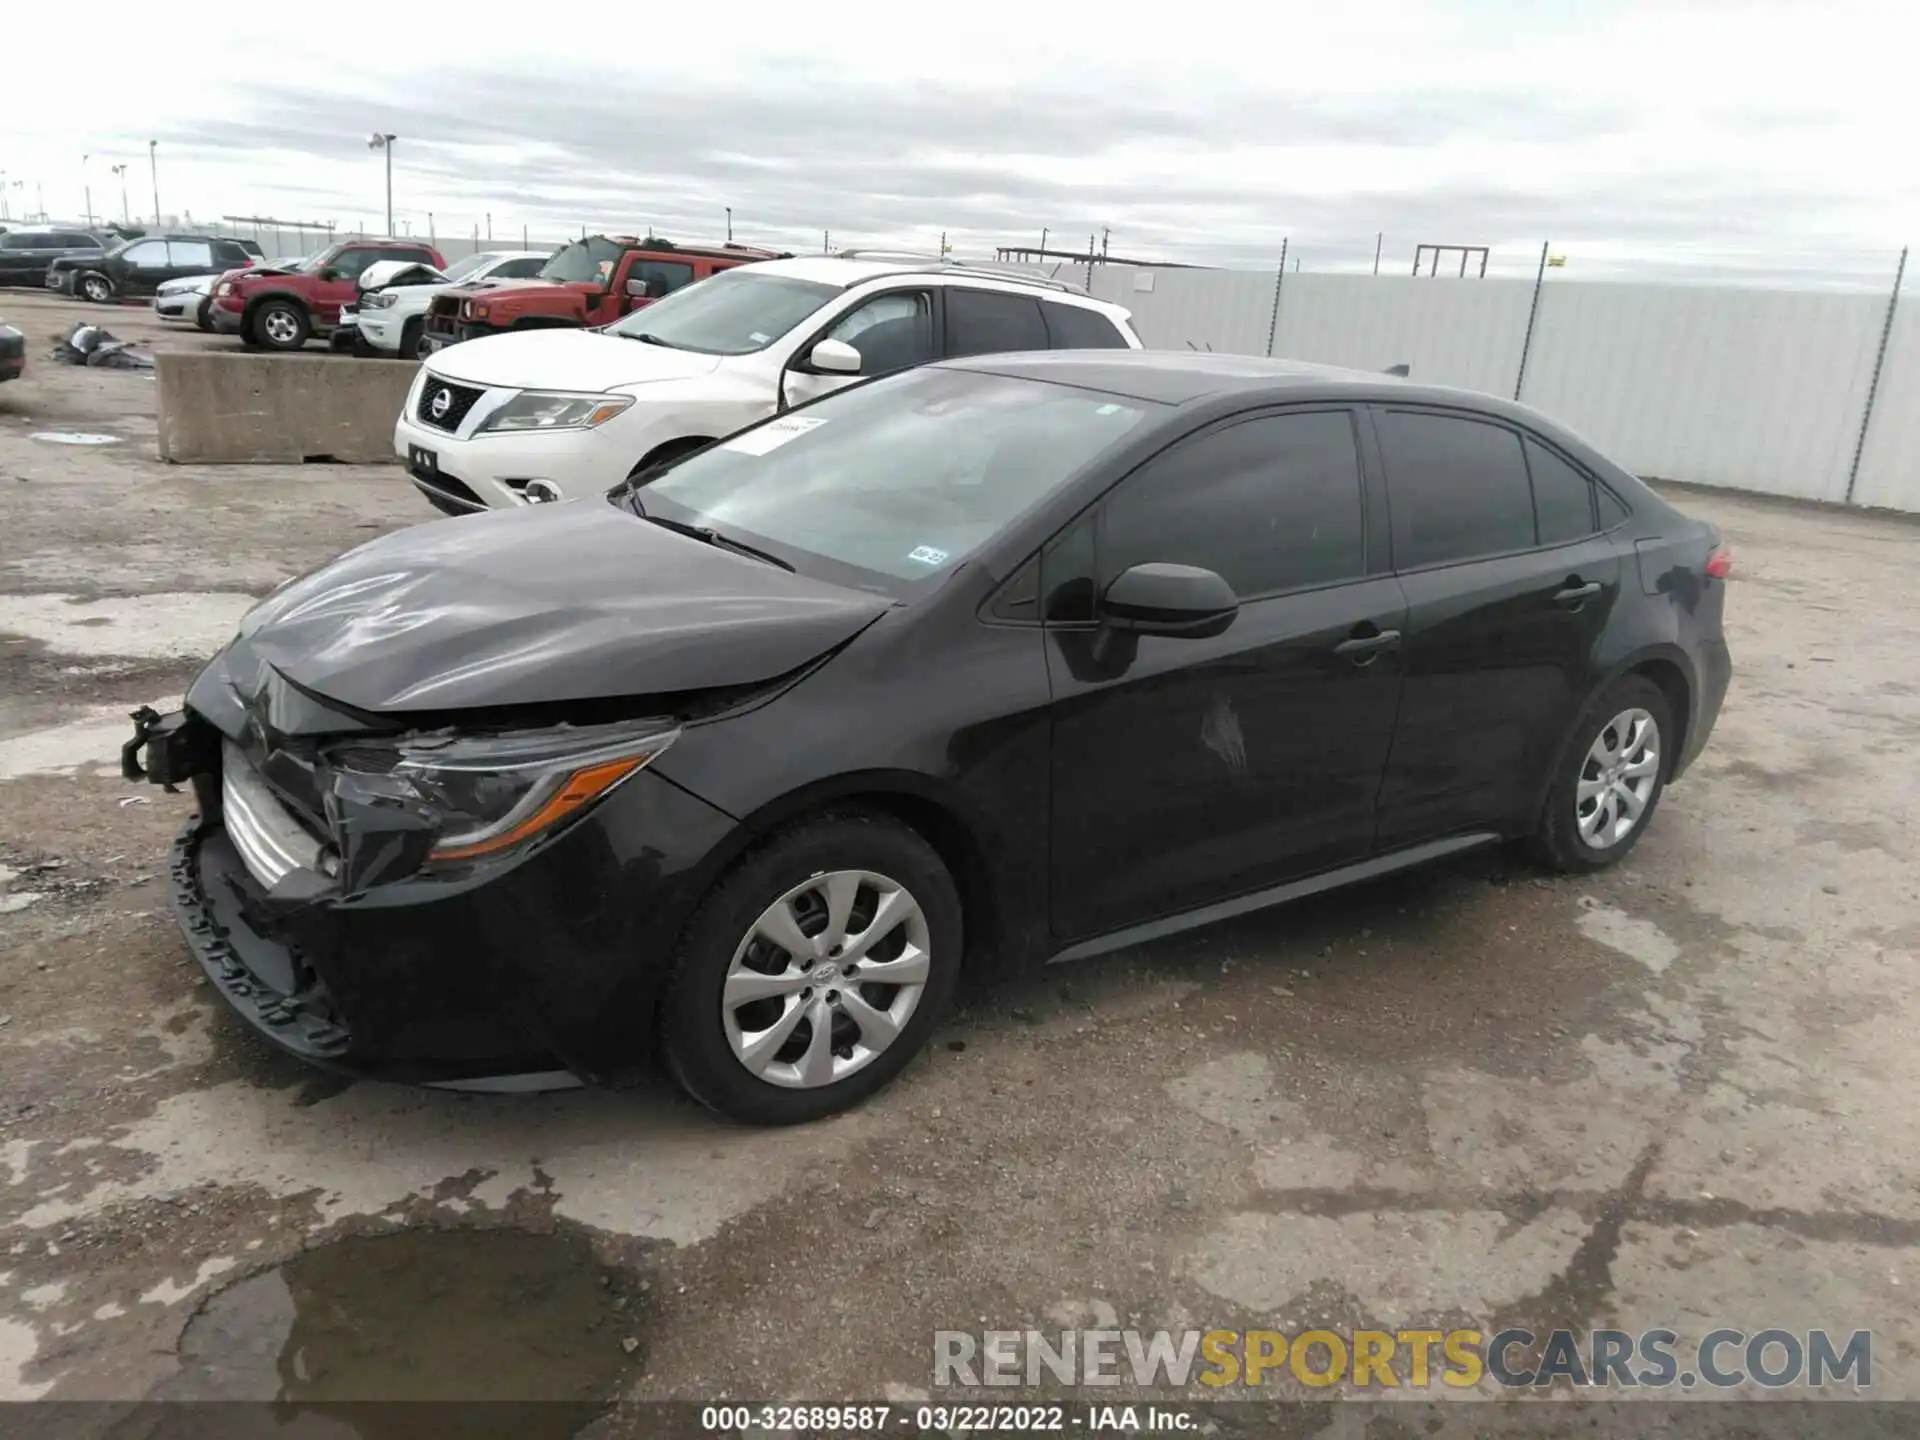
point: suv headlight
(226, 287)
(554, 410)
(491, 794)
(383, 300)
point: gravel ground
(1676, 1094)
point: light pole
(125, 214)
(87, 185)
(153, 168)
(3, 196)
(378, 141)
(729, 224)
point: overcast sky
(1635, 137)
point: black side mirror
(1174, 600)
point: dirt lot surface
(1679, 1094)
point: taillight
(1720, 562)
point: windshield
(898, 480)
(461, 269)
(587, 262)
(733, 313)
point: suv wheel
(96, 288)
(281, 325)
(1610, 780)
(413, 340)
(203, 317)
(813, 972)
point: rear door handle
(1576, 594)
(1362, 648)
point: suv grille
(445, 413)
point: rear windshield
(733, 313)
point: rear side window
(988, 322)
(225, 252)
(1562, 497)
(190, 252)
(419, 255)
(1269, 504)
(1612, 508)
(78, 242)
(524, 269)
(1458, 488)
(1070, 327)
(17, 240)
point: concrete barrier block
(242, 408)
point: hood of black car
(555, 602)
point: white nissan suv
(549, 414)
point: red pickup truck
(593, 281)
(283, 309)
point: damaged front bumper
(544, 967)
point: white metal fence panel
(1451, 331)
(1222, 310)
(1752, 389)
(1890, 464)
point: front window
(584, 262)
(733, 313)
(892, 484)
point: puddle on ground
(335, 1336)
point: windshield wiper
(711, 536)
(647, 337)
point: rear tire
(892, 887)
(1610, 779)
(96, 287)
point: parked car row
(390, 315)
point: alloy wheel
(1617, 779)
(280, 327)
(826, 978)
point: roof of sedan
(1172, 377)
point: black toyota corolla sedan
(749, 764)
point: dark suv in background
(26, 254)
(141, 266)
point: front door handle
(1362, 649)
(1574, 594)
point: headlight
(555, 410)
(491, 794)
(381, 301)
(226, 287)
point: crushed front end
(442, 906)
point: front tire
(1610, 780)
(281, 325)
(203, 317)
(413, 341)
(814, 970)
(96, 288)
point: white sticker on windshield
(757, 338)
(927, 555)
(773, 434)
(1108, 410)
